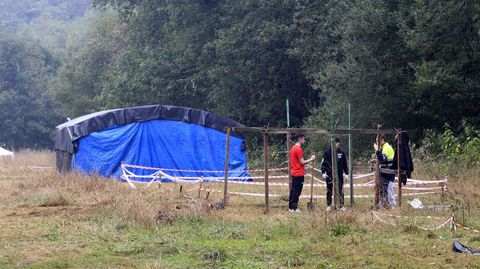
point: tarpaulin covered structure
(6, 154)
(160, 136)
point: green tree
(359, 57)
(251, 71)
(84, 71)
(27, 111)
(445, 38)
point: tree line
(412, 64)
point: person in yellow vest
(385, 155)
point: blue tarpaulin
(161, 144)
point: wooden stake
(289, 146)
(266, 164)
(200, 188)
(377, 170)
(399, 142)
(310, 205)
(227, 153)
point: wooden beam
(340, 131)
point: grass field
(74, 221)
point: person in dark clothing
(385, 154)
(342, 168)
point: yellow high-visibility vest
(387, 152)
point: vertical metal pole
(227, 153)
(288, 113)
(289, 146)
(265, 163)
(399, 142)
(350, 155)
(377, 170)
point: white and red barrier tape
(466, 228)
(201, 171)
(407, 217)
(322, 196)
(130, 176)
(449, 220)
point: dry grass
(105, 223)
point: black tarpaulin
(67, 133)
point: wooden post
(227, 153)
(452, 225)
(265, 164)
(399, 142)
(312, 173)
(310, 205)
(336, 190)
(377, 171)
(289, 146)
(200, 188)
(350, 154)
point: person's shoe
(328, 209)
(291, 210)
(343, 209)
(294, 210)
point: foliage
(27, 110)
(403, 63)
(455, 147)
(82, 76)
(49, 23)
(445, 41)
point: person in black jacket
(342, 168)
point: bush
(453, 147)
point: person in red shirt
(297, 170)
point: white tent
(5, 153)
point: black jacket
(341, 162)
(406, 163)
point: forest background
(411, 64)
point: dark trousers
(297, 186)
(330, 190)
(383, 192)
